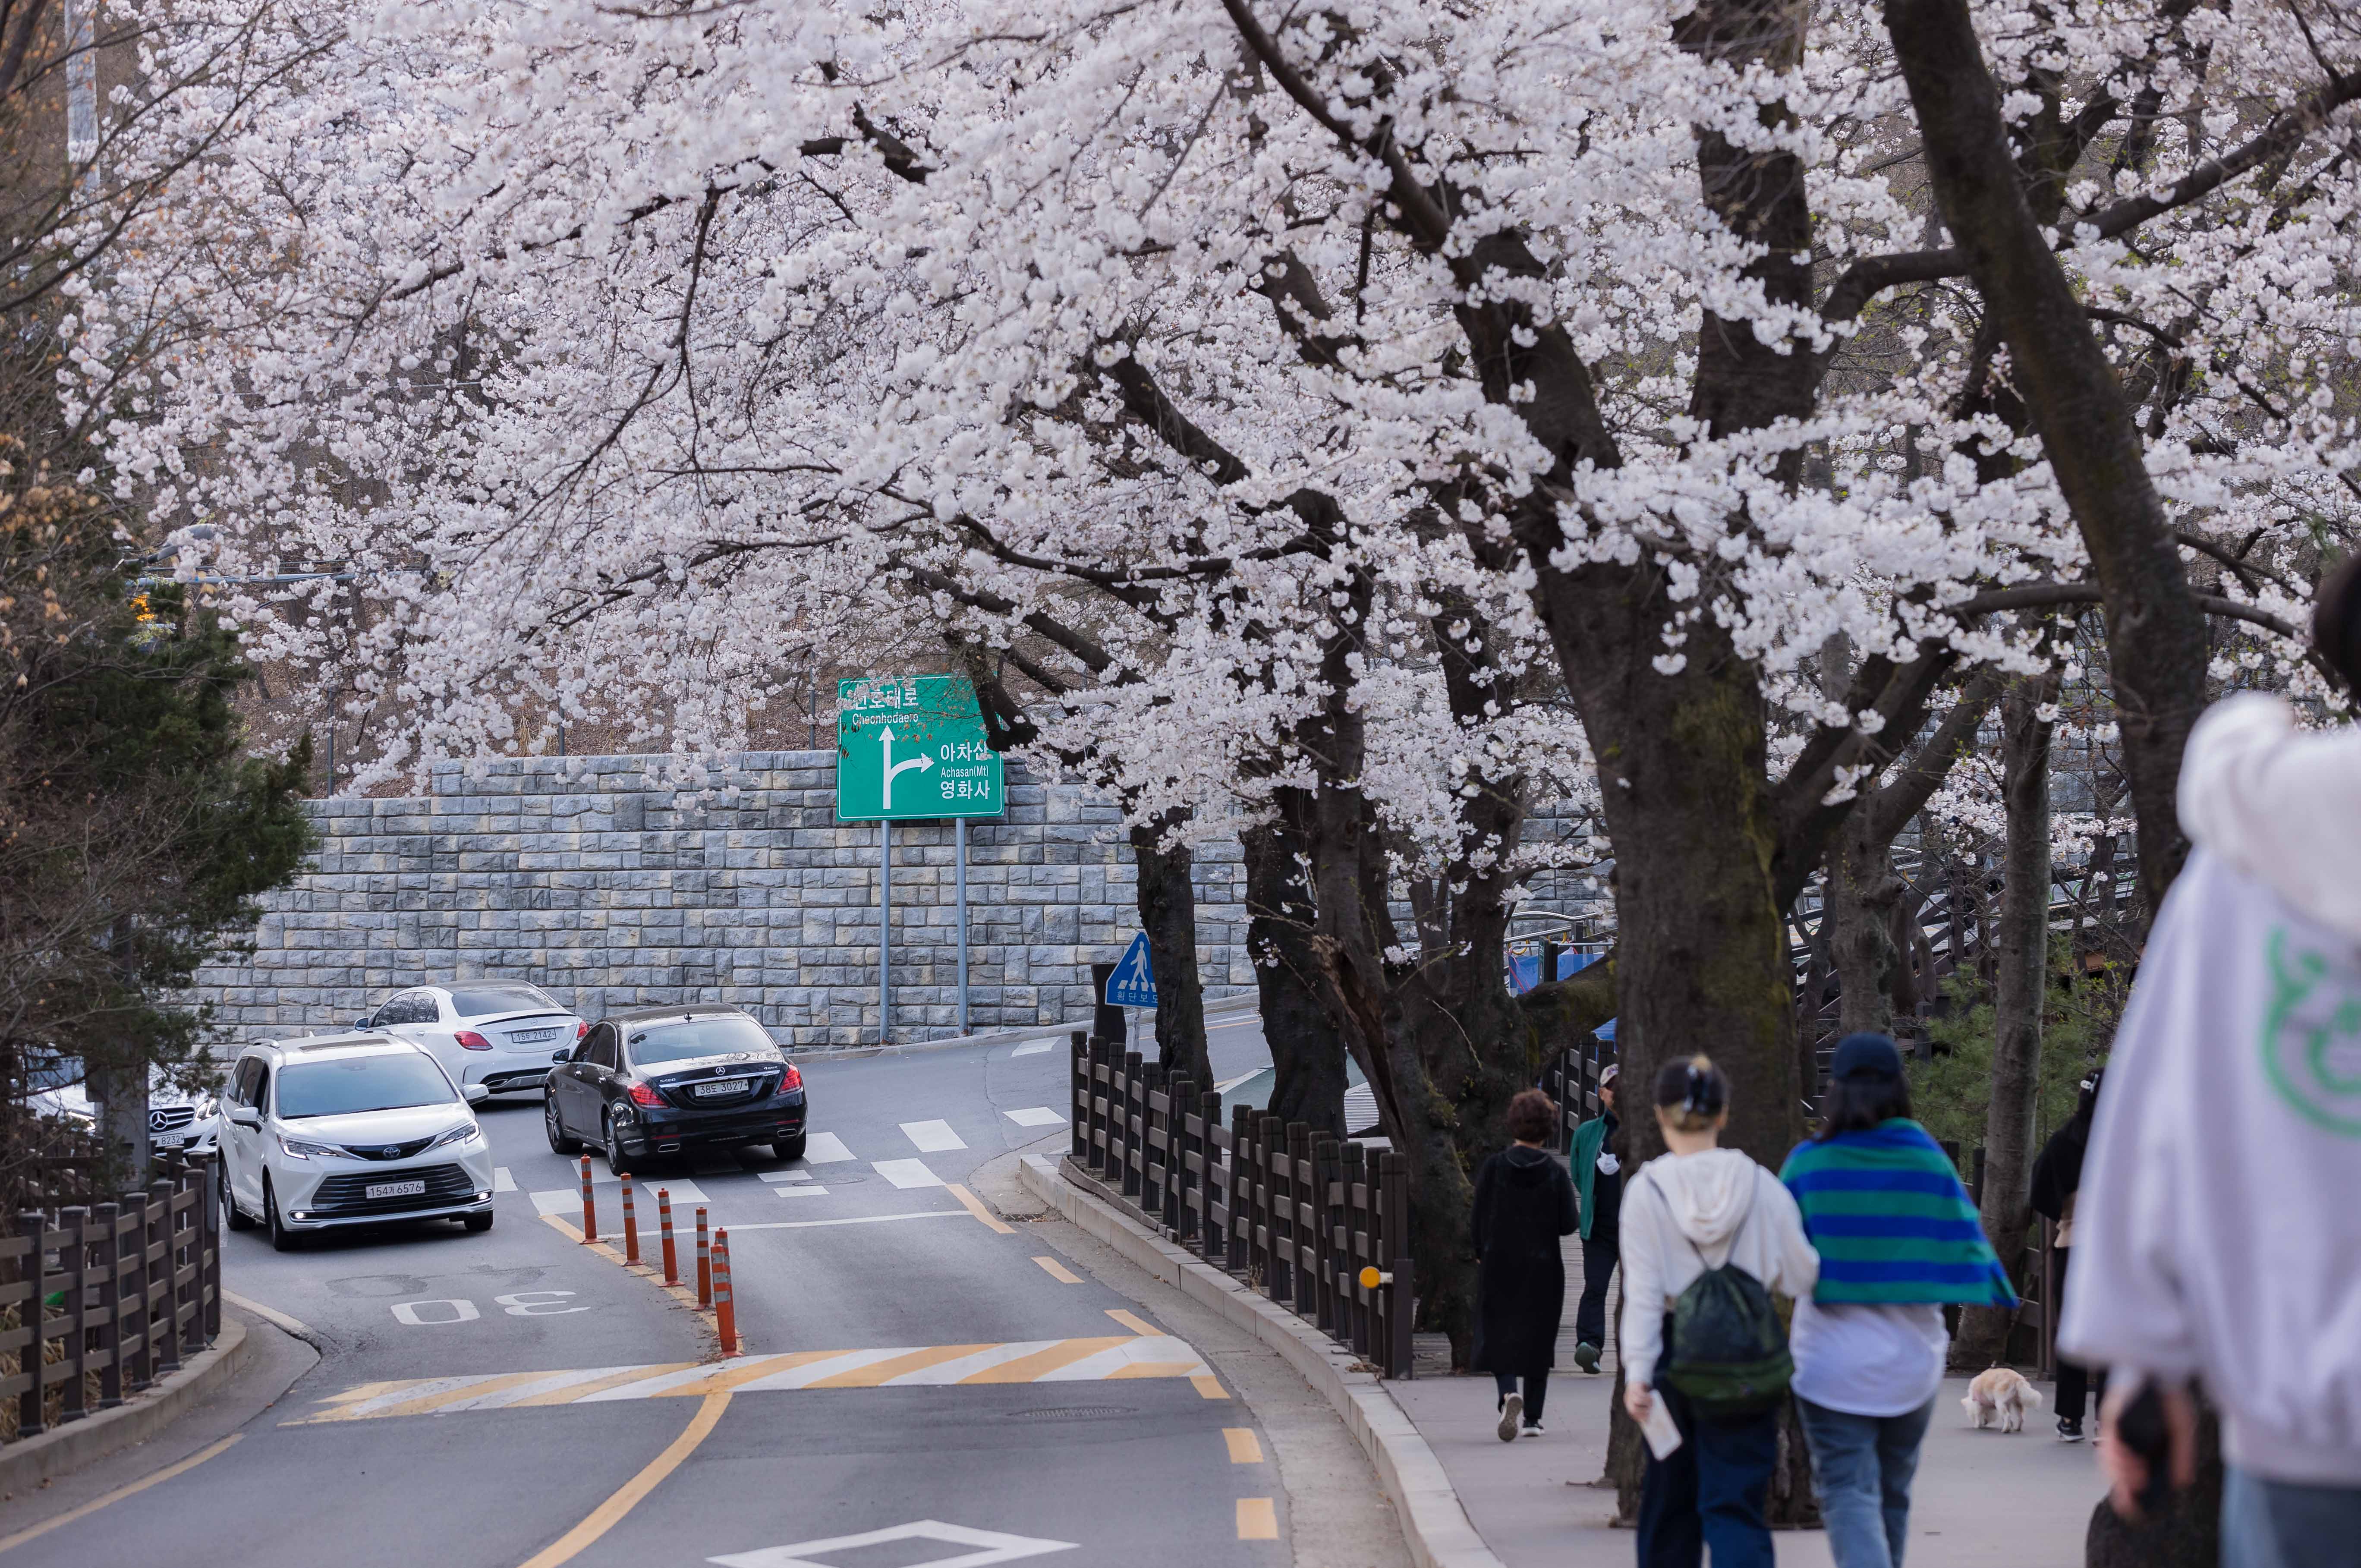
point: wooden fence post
(1078, 1092)
(1209, 1231)
(164, 1287)
(1400, 1297)
(1135, 1104)
(73, 1259)
(106, 1250)
(31, 1405)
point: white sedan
(501, 1034)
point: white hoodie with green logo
(2218, 1229)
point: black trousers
(2078, 1386)
(1536, 1392)
(1599, 1263)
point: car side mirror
(360, 1022)
(561, 1055)
(245, 1115)
(477, 1094)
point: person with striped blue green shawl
(1898, 1239)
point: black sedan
(660, 1081)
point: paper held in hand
(1663, 1432)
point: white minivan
(342, 1130)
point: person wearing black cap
(1898, 1237)
(1597, 1164)
(2057, 1176)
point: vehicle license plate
(532, 1036)
(720, 1086)
(396, 1190)
(170, 1140)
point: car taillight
(472, 1040)
(643, 1094)
(580, 1029)
(791, 1079)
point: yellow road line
(726, 1379)
(574, 1391)
(1127, 1321)
(877, 1372)
(1245, 1447)
(974, 1205)
(1209, 1386)
(1257, 1519)
(1059, 1271)
(432, 1402)
(71, 1514)
(1025, 1368)
(610, 1514)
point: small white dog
(2000, 1394)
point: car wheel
(281, 1238)
(559, 1142)
(232, 1215)
(789, 1148)
(478, 1223)
(618, 1162)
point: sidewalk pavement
(2020, 1500)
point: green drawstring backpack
(1728, 1349)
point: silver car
(501, 1034)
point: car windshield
(361, 1083)
(476, 1001)
(698, 1038)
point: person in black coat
(1524, 1203)
(2057, 1178)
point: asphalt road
(517, 1399)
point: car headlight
(466, 1132)
(206, 1108)
(302, 1148)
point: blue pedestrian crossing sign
(1133, 983)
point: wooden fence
(126, 1290)
(1302, 1218)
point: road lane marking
(801, 1189)
(1059, 1271)
(1245, 1447)
(609, 1514)
(992, 1547)
(1257, 1519)
(1236, 1023)
(974, 1205)
(932, 1137)
(568, 1199)
(1034, 1049)
(825, 1148)
(268, 1314)
(1209, 1386)
(1131, 1323)
(1110, 1358)
(855, 1220)
(1035, 1117)
(907, 1173)
(786, 1175)
(501, 1181)
(71, 1514)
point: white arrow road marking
(1034, 1047)
(921, 761)
(907, 1172)
(1034, 1116)
(825, 1148)
(933, 1137)
(991, 1547)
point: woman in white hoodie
(1695, 1208)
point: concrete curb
(1434, 1525)
(25, 1464)
(1244, 1002)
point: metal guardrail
(126, 1290)
(1318, 1224)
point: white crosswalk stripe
(567, 1200)
(501, 1181)
(933, 1137)
(908, 1173)
(801, 1189)
(1034, 1116)
(825, 1148)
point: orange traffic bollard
(589, 1214)
(725, 1315)
(664, 1223)
(631, 1225)
(704, 1262)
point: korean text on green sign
(913, 748)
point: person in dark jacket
(1524, 1203)
(1598, 1161)
(2057, 1176)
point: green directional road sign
(912, 748)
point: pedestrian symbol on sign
(1133, 983)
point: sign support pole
(958, 844)
(884, 930)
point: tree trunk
(1168, 913)
(1859, 901)
(1307, 1054)
(2021, 983)
(2156, 633)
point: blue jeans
(1710, 1492)
(2277, 1524)
(1862, 1468)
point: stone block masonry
(592, 879)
